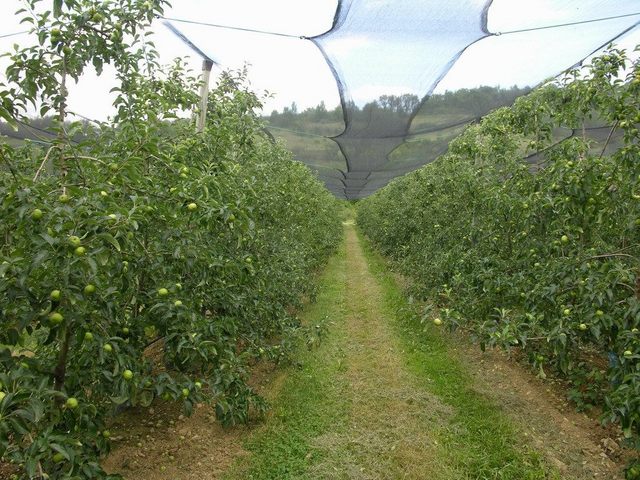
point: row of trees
(468, 102)
(543, 261)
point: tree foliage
(142, 261)
(540, 257)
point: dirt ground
(575, 443)
(159, 442)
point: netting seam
(621, 34)
(560, 25)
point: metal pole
(207, 64)
(204, 95)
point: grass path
(380, 398)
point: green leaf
(120, 400)
(146, 398)
(39, 259)
(6, 115)
(57, 8)
(107, 237)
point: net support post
(201, 119)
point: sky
(294, 70)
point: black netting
(368, 48)
(389, 57)
(603, 140)
(412, 74)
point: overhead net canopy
(410, 75)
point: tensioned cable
(566, 24)
(298, 132)
(38, 129)
(23, 138)
(229, 27)
(14, 34)
(98, 122)
(194, 22)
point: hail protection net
(389, 57)
(383, 86)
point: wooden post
(204, 95)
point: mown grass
(311, 400)
(478, 440)
(473, 439)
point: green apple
(71, 403)
(55, 318)
(192, 206)
(36, 214)
(583, 326)
(74, 241)
(163, 292)
(107, 348)
(80, 251)
(437, 321)
(58, 458)
(127, 374)
(88, 336)
(55, 295)
(89, 289)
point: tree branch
(46, 157)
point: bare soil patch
(160, 443)
(575, 443)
